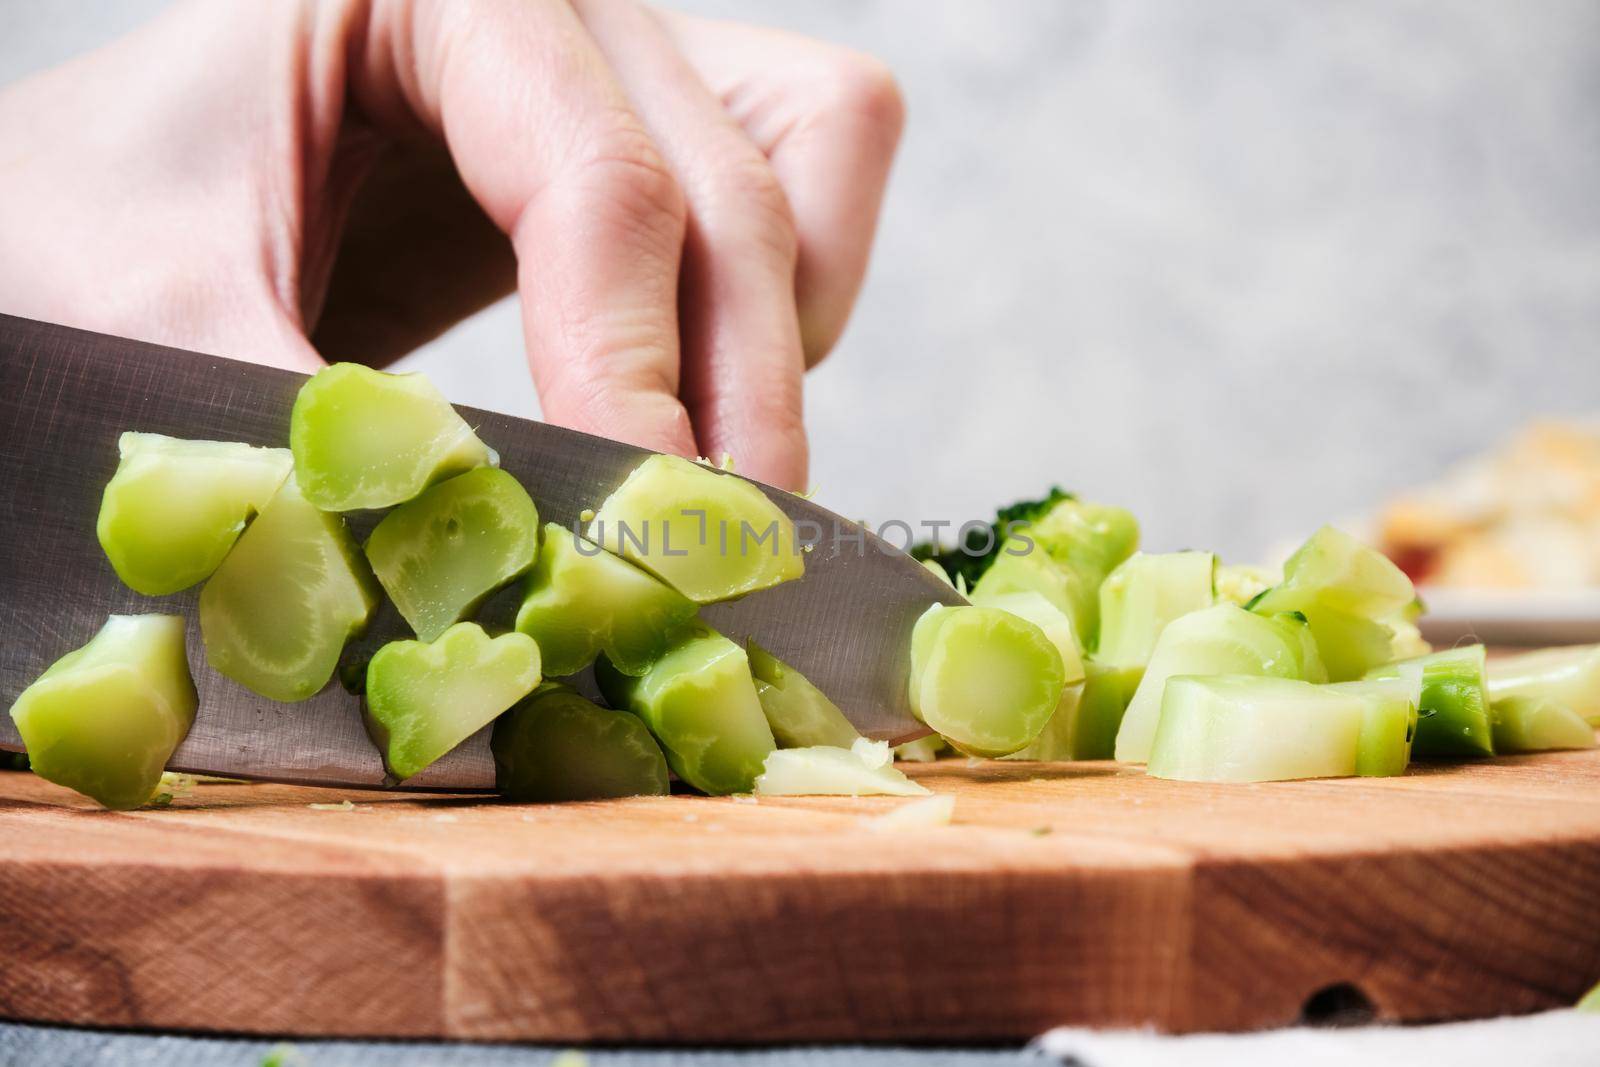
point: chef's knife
(65, 397)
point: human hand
(685, 207)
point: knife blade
(66, 395)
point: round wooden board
(1062, 894)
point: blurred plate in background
(1511, 616)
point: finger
(742, 361)
(546, 143)
(829, 120)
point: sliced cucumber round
(800, 714)
(105, 719)
(365, 439)
(174, 508)
(556, 745)
(278, 611)
(581, 600)
(440, 555)
(709, 535)
(424, 699)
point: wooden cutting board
(1062, 894)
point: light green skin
(278, 611)
(105, 719)
(1569, 676)
(1107, 691)
(1537, 724)
(1090, 539)
(986, 680)
(1242, 728)
(424, 699)
(174, 508)
(1143, 595)
(366, 439)
(1019, 569)
(555, 745)
(1390, 724)
(1335, 571)
(743, 543)
(1223, 639)
(700, 703)
(1455, 704)
(440, 555)
(800, 714)
(579, 602)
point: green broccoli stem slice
(800, 714)
(1454, 703)
(556, 745)
(1524, 723)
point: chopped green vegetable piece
(1059, 738)
(1590, 1000)
(366, 439)
(1144, 594)
(1390, 723)
(556, 745)
(1023, 568)
(710, 536)
(1334, 570)
(987, 680)
(175, 507)
(1240, 583)
(581, 600)
(701, 704)
(1236, 728)
(440, 555)
(1055, 741)
(1406, 641)
(1107, 692)
(424, 699)
(922, 750)
(1537, 724)
(866, 768)
(1089, 539)
(1223, 639)
(1455, 705)
(105, 718)
(1569, 676)
(965, 563)
(1350, 645)
(800, 714)
(278, 611)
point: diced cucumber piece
(1390, 723)
(556, 745)
(174, 508)
(800, 714)
(1107, 692)
(1144, 594)
(699, 701)
(985, 679)
(1569, 676)
(424, 699)
(1240, 583)
(440, 555)
(1222, 639)
(366, 439)
(278, 611)
(1023, 568)
(1231, 728)
(580, 600)
(1455, 703)
(1537, 724)
(709, 535)
(105, 718)
(1334, 570)
(863, 769)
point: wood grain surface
(1062, 894)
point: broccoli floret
(967, 561)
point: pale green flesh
(1537, 724)
(984, 679)
(1338, 572)
(800, 714)
(1223, 639)
(1017, 571)
(365, 439)
(175, 507)
(424, 699)
(1056, 624)
(863, 769)
(710, 536)
(1569, 676)
(581, 600)
(1350, 645)
(1455, 704)
(556, 745)
(1106, 694)
(278, 611)
(1059, 738)
(105, 718)
(700, 703)
(1088, 541)
(440, 555)
(1143, 595)
(922, 750)
(1390, 723)
(1254, 729)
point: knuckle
(865, 85)
(746, 205)
(628, 181)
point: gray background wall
(1243, 265)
